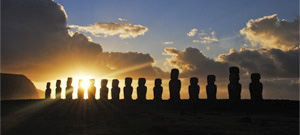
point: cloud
(168, 42)
(123, 20)
(36, 42)
(192, 62)
(281, 88)
(203, 37)
(192, 32)
(207, 38)
(269, 62)
(134, 64)
(111, 29)
(271, 32)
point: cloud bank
(192, 62)
(111, 29)
(273, 63)
(36, 42)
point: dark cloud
(133, 64)
(281, 88)
(269, 62)
(271, 32)
(192, 62)
(35, 42)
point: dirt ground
(62, 117)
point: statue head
(211, 79)
(104, 82)
(142, 81)
(158, 82)
(115, 83)
(194, 81)
(174, 73)
(128, 81)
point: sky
(172, 20)
(49, 40)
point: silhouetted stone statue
(80, 92)
(157, 90)
(92, 90)
(141, 89)
(115, 90)
(128, 89)
(256, 87)
(48, 91)
(211, 88)
(194, 89)
(234, 70)
(234, 87)
(103, 90)
(58, 89)
(174, 85)
(69, 89)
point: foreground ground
(60, 117)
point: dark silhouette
(256, 87)
(92, 90)
(157, 90)
(58, 89)
(128, 89)
(234, 70)
(103, 90)
(234, 87)
(48, 91)
(211, 88)
(174, 85)
(69, 89)
(16, 86)
(115, 90)
(194, 89)
(141, 89)
(80, 92)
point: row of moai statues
(234, 88)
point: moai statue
(256, 87)
(103, 90)
(211, 88)
(157, 90)
(48, 91)
(92, 90)
(128, 89)
(174, 85)
(115, 90)
(194, 89)
(80, 92)
(141, 89)
(69, 88)
(58, 89)
(234, 87)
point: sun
(85, 84)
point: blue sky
(171, 20)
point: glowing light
(85, 84)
